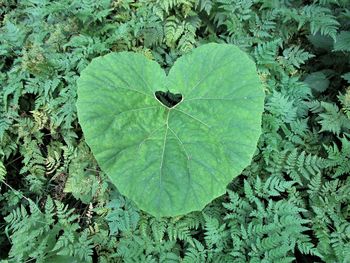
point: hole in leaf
(168, 99)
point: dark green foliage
(47, 236)
(291, 203)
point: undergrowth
(292, 204)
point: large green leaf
(171, 161)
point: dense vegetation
(291, 204)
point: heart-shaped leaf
(172, 156)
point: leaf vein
(191, 116)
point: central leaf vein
(187, 160)
(181, 143)
(163, 151)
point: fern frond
(173, 29)
(294, 57)
(2, 171)
(321, 20)
(338, 158)
(266, 53)
(332, 119)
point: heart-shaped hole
(168, 99)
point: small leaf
(346, 76)
(343, 41)
(317, 81)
